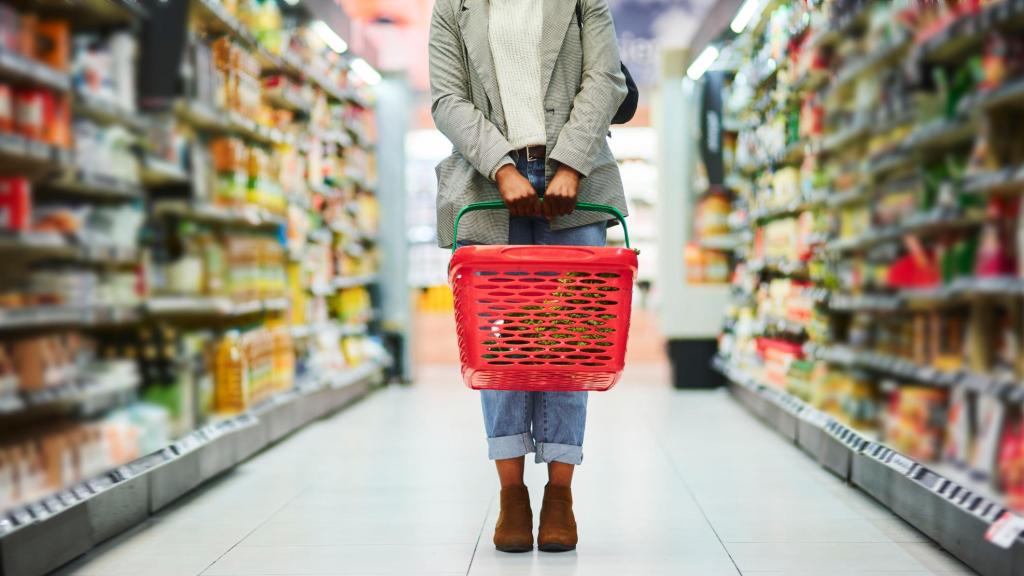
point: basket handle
(499, 205)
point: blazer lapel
(557, 16)
(473, 23)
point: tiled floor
(673, 484)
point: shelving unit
(193, 272)
(97, 509)
(877, 309)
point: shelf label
(1004, 532)
(940, 485)
(900, 463)
(815, 417)
(21, 517)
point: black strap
(579, 15)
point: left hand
(561, 194)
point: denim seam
(544, 415)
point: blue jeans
(548, 423)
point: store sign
(711, 129)
(645, 27)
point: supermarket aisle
(673, 483)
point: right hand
(517, 192)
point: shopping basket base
(540, 380)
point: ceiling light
(363, 69)
(330, 37)
(745, 15)
(702, 63)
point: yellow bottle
(231, 376)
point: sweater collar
(474, 24)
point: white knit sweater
(514, 34)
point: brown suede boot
(514, 531)
(557, 522)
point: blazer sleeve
(474, 136)
(602, 91)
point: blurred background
(217, 226)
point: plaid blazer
(583, 87)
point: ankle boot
(557, 522)
(514, 531)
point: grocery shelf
(157, 172)
(942, 133)
(849, 135)
(960, 290)
(900, 179)
(723, 242)
(100, 508)
(54, 316)
(18, 69)
(1006, 180)
(1011, 93)
(80, 181)
(780, 326)
(869, 62)
(244, 216)
(343, 282)
(210, 306)
(106, 112)
(40, 244)
(885, 364)
(944, 506)
(778, 266)
(854, 195)
(90, 396)
(966, 34)
(50, 245)
(310, 330)
(216, 18)
(229, 122)
(286, 103)
(88, 13)
(23, 156)
(918, 224)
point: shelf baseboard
(44, 536)
(956, 516)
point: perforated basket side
(517, 316)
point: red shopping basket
(542, 318)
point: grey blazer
(583, 87)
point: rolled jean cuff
(514, 446)
(565, 453)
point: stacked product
(39, 113)
(876, 157)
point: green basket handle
(499, 205)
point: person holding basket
(526, 91)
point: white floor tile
(826, 558)
(344, 559)
(672, 483)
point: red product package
(15, 204)
(30, 113)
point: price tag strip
(1004, 531)
(815, 417)
(900, 463)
